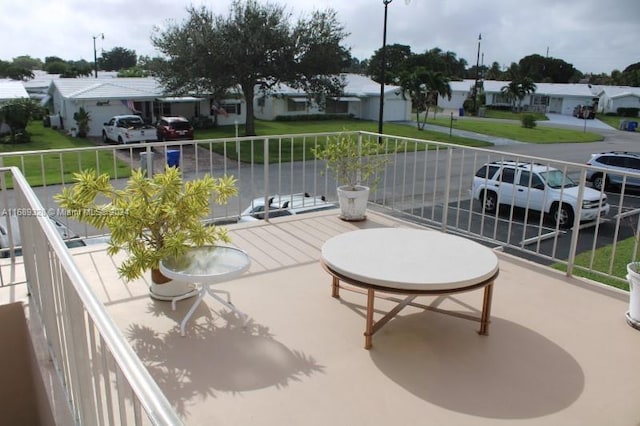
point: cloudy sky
(593, 35)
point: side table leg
(486, 310)
(192, 310)
(229, 305)
(368, 333)
(335, 287)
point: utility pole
(95, 53)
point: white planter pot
(633, 277)
(172, 289)
(353, 202)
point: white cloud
(593, 35)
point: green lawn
(601, 264)
(294, 144)
(515, 131)
(57, 168)
(614, 120)
(508, 115)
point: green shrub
(628, 112)
(528, 121)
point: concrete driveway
(571, 121)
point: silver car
(614, 161)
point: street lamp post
(95, 53)
(383, 65)
(475, 87)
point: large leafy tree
(16, 114)
(494, 73)
(396, 62)
(546, 69)
(117, 59)
(255, 47)
(14, 72)
(26, 61)
(423, 87)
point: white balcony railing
(425, 182)
(106, 383)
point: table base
(203, 291)
(371, 326)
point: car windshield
(557, 179)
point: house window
(161, 109)
(337, 107)
(234, 108)
(296, 104)
(539, 100)
(499, 98)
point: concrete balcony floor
(559, 351)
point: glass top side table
(206, 266)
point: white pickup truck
(125, 129)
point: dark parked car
(584, 111)
(174, 128)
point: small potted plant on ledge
(151, 218)
(355, 163)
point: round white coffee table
(205, 266)
(412, 262)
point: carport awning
(175, 99)
(299, 99)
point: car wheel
(599, 182)
(105, 139)
(120, 141)
(563, 216)
(490, 202)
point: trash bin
(623, 125)
(632, 126)
(143, 162)
(460, 112)
(173, 158)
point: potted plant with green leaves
(151, 218)
(355, 163)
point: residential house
(558, 98)
(614, 97)
(361, 100)
(104, 98)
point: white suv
(537, 187)
(285, 205)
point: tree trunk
(249, 124)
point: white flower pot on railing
(353, 202)
(633, 277)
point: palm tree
(424, 87)
(517, 89)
